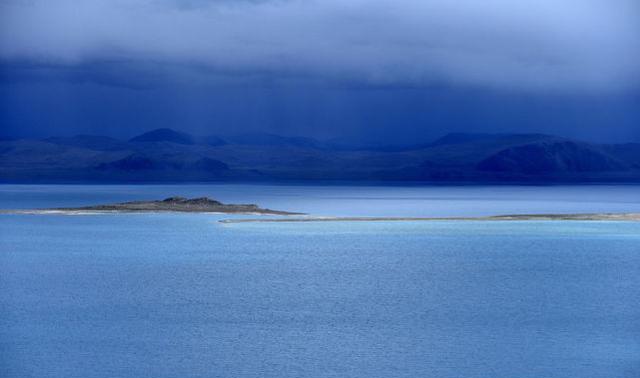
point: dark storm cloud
(532, 45)
(380, 70)
(38, 107)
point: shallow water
(181, 295)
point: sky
(391, 71)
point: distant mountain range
(166, 155)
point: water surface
(181, 295)
(407, 201)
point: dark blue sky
(382, 71)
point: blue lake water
(181, 295)
(350, 200)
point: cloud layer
(530, 45)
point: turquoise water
(181, 295)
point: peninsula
(515, 217)
(171, 204)
(208, 205)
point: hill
(169, 155)
(164, 135)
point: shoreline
(296, 218)
(626, 217)
(128, 212)
(174, 204)
(205, 205)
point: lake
(182, 295)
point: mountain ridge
(169, 155)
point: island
(208, 205)
(171, 204)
